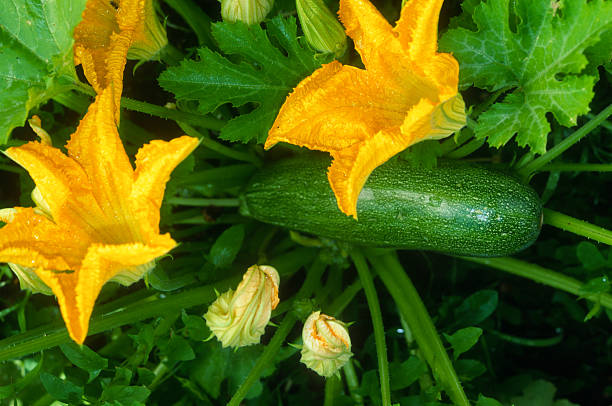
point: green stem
(574, 167)
(352, 382)
(313, 277)
(377, 323)
(219, 148)
(191, 201)
(466, 149)
(567, 223)
(542, 275)
(414, 312)
(605, 124)
(331, 387)
(535, 165)
(210, 123)
(46, 337)
(346, 297)
(11, 168)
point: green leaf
(178, 349)
(195, 327)
(464, 339)
(224, 250)
(424, 154)
(540, 393)
(8, 391)
(84, 358)
(209, 368)
(125, 395)
(261, 67)
(590, 256)
(537, 49)
(485, 401)
(476, 308)
(406, 373)
(64, 391)
(468, 369)
(36, 60)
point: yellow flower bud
(321, 28)
(150, 37)
(327, 345)
(247, 11)
(239, 318)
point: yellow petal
(370, 31)
(154, 164)
(102, 40)
(97, 148)
(63, 183)
(77, 292)
(417, 28)
(352, 166)
(32, 240)
(338, 106)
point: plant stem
(331, 387)
(207, 142)
(11, 168)
(210, 123)
(191, 201)
(576, 167)
(573, 225)
(352, 382)
(535, 165)
(466, 149)
(313, 278)
(542, 275)
(414, 312)
(45, 337)
(347, 295)
(377, 323)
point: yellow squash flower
(239, 318)
(406, 94)
(102, 222)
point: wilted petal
(327, 344)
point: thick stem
(573, 225)
(331, 388)
(414, 312)
(542, 275)
(526, 171)
(352, 382)
(571, 167)
(377, 324)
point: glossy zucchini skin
(456, 208)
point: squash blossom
(247, 11)
(97, 218)
(407, 93)
(327, 345)
(239, 318)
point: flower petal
(97, 148)
(338, 106)
(32, 240)
(370, 31)
(77, 292)
(154, 164)
(351, 167)
(417, 28)
(63, 184)
(102, 40)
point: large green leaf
(262, 67)
(36, 59)
(535, 48)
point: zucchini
(456, 208)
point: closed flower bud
(239, 318)
(247, 11)
(327, 345)
(150, 37)
(321, 28)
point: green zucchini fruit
(456, 208)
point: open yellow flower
(103, 216)
(407, 93)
